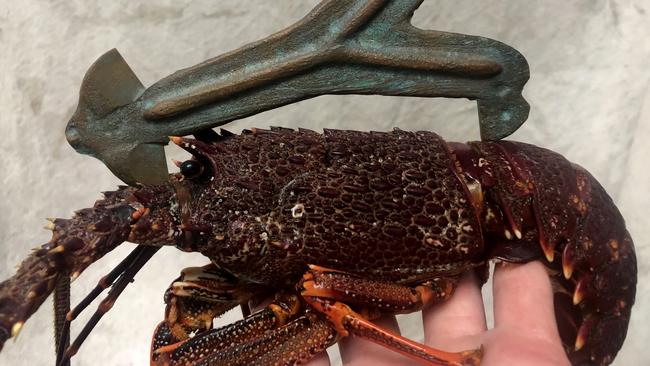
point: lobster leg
(330, 292)
(195, 298)
(281, 333)
(294, 343)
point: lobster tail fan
(109, 84)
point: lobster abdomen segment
(536, 199)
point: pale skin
(524, 333)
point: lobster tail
(596, 286)
(538, 205)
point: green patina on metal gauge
(340, 47)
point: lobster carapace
(341, 227)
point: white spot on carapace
(434, 242)
(298, 210)
(489, 215)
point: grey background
(589, 96)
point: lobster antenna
(61, 309)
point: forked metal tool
(341, 47)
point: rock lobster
(339, 228)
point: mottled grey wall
(589, 96)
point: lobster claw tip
(57, 249)
(580, 290)
(74, 276)
(581, 337)
(567, 270)
(177, 163)
(176, 139)
(548, 249)
(568, 262)
(15, 329)
(550, 255)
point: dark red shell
(387, 205)
(404, 207)
(397, 206)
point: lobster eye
(191, 169)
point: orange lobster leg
(294, 343)
(193, 300)
(204, 344)
(282, 333)
(327, 290)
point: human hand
(524, 333)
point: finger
(356, 351)
(523, 299)
(454, 324)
